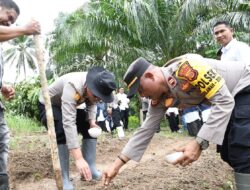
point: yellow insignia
(77, 96)
(200, 75)
(169, 102)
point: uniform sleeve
(69, 116)
(214, 128)
(213, 87)
(137, 145)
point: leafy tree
(21, 54)
(205, 13)
(26, 99)
(113, 33)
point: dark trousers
(124, 116)
(81, 122)
(102, 124)
(116, 118)
(235, 149)
(173, 121)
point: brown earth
(30, 167)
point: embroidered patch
(77, 96)
(171, 81)
(169, 102)
(187, 71)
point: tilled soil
(30, 168)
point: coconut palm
(21, 55)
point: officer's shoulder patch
(77, 96)
(186, 71)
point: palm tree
(205, 13)
(21, 55)
(113, 33)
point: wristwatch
(202, 142)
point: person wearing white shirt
(232, 49)
(172, 115)
(124, 107)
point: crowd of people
(111, 115)
(214, 106)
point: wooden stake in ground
(49, 114)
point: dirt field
(30, 167)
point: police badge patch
(187, 71)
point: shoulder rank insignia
(169, 102)
(77, 96)
(187, 71)
(171, 81)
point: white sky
(45, 11)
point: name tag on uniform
(200, 75)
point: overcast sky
(45, 11)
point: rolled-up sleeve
(137, 145)
(222, 105)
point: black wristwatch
(202, 142)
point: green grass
(24, 132)
(23, 125)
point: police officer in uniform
(66, 93)
(186, 81)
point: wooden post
(49, 114)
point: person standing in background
(231, 49)
(101, 115)
(124, 106)
(172, 115)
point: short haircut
(222, 22)
(9, 4)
